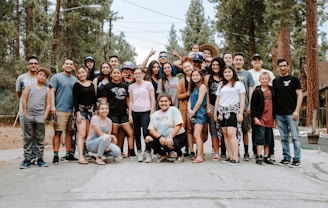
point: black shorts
(231, 121)
(118, 120)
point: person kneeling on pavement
(166, 131)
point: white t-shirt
(256, 76)
(230, 95)
(164, 122)
(140, 93)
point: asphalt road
(133, 184)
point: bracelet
(159, 137)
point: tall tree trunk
(53, 66)
(312, 60)
(45, 9)
(69, 50)
(16, 46)
(29, 29)
(283, 47)
(251, 34)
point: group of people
(172, 114)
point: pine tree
(243, 26)
(197, 29)
(123, 49)
(173, 43)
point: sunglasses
(33, 63)
(163, 56)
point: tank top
(36, 103)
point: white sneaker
(133, 158)
(108, 159)
(140, 157)
(155, 157)
(118, 158)
(148, 157)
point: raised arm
(144, 63)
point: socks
(132, 152)
(56, 154)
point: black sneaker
(284, 161)
(295, 164)
(259, 161)
(234, 162)
(41, 163)
(25, 164)
(246, 156)
(55, 160)
(226, 161)
(70, 157)
(192, 156)
(268, 161)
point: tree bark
(311, 60)
(251, 34)
(53, 66)
(17, 41)
(29, 29)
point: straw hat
(211, 48)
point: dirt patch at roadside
(11, 137)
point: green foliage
(239, 21)
(173, 44)
(198, 29)
(9, 70)
(123, 49)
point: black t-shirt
(285, 97)
(116, 97)
(83, 96)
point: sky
(147, 23)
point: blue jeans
(98, 145)
(287, 124)
(140, 120)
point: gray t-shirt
(22, 81)
(246, 78)
(64, 91)
(171, 88)
(36, 101)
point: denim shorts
(85, 115)
(263, 135)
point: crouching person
(99, 140)
(166, 131)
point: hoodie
(91, 74)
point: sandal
(100, 162)
(216, 157)
(162, 159)
(83, 161)
(196, 160)
(179, 159)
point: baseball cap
(46, 71)
(127, 65)
(256, 55)
(197, 57)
